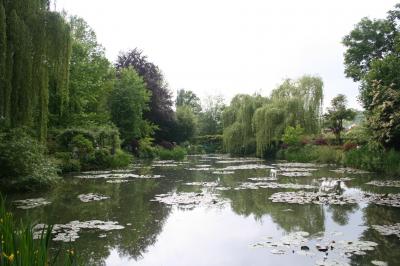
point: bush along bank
(371, 157)
(27, 164)
(78, 149)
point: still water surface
(229, 222)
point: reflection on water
(220, 232)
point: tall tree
(128, 101)
(371, 41)
(34, 60)
(293, 103)
(238, 134)
(3, 53)
(91, 77)
(186, 123)
(188, 98)
(373, 58)
(160, 107)
(337, 114)
(210, 120)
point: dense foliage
(253, 124)
(23, 161)
(160, 106)
(190, 99)
(373, 58)
(91, 78)
(186, 124)
(128, 102)
(35, 48)
(337, 114)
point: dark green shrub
(120, 159)
(146, 150)
(66, 163)
(373, 157)
(297, 154)
(177, 153)
(327, 154)
(82, 147)
(65, 138)
(292, 135)
(214, 143)
(194, 149)
(101, 159)
(311, 153)
(23, 161)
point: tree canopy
(373, 58)
(188, 98)
(35, 47)
(128, 101)
(337, 114)
(160, 111)
(252, 124)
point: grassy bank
(368, 157)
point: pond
(217, 210)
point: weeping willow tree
(253, 124)
(292, 103)
(3, 47)
(34, 59)
(239, 136)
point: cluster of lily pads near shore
(328, 248)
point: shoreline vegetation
(21, 244)
(66, 108)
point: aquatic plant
(22, 245)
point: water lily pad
(385, 183)
(223, 172)
(386, 230)
(302, 197)
(92, 197)
(297, 169)
(189, 200)
(166, 165)
(200, 169)
(223, 188)
(117, 181)
(241, 160)
(333, 179)
(108, 176)
(299, 165)
(261, 179)
(301, 244)
(31, 203)
(247, 167)
(392, 200)
(119, 176)
(295, 174)
(348, 170)
(70, 232)
(203, 184)
(272, 185)
(379, 263)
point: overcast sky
(230, 46)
